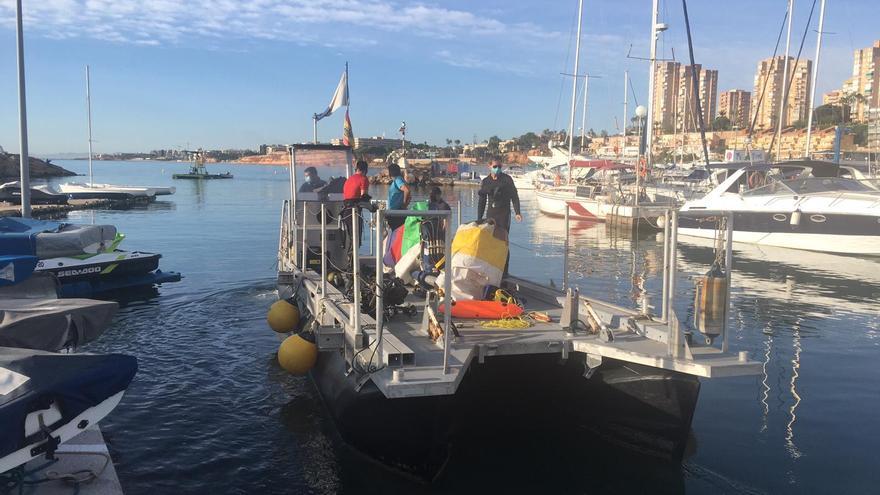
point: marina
(688, 304)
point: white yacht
(800, 204)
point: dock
(83, 466)
(55, 211)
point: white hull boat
(799, 205)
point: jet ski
(85, 259)
(47, 398)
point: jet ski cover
(75, 382)
(47, 239)
(53, 324)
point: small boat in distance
(198, 171)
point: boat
(404, 384)
(589, 195)
(198, 171)
(10, 192)
(801, 204)
(85, 259)
(49, 398)
(90, 190)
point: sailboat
(77, 190)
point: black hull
(637, 407)
(202, 176)
(37, 197)
(107, 270)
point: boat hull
(842, 234)
(554, 204)
(202, 176)
(642, 408)
(103, 266)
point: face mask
(308, 178)
(496, 170)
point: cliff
(9, 168)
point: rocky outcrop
(9, 168)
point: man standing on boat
(398, 195)
(354, 194)
(497, 194)
(312, 181)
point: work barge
(402, 384)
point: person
(312, 181)
(398, 195)
(497, 194)
(436, 202)
(354, 194)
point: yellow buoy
(297, 355)
(283, 316)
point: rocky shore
(10, 170)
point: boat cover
(16, 268)
(479, 253)
(53, 324)
(75, 382)
(47, 239)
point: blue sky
(232, 74)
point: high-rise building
(674, 100)
(664, 99)
(734, 104)
(862, 87)
(769, 90)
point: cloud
(313, 22)
(470, 61)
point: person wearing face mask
(497, 194)
(312, 181)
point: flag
(340, 98)
(402, 129)
(347, 134)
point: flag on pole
(340, 98)
(402, 129)
(347, 134)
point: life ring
(756, 179)
(557, 180)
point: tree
(799, 124)
(604, 133)
(457, 142)
(493, 143)
(721, 123)
(825, 116)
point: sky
(234, 74)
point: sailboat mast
(89, 112)
(23, 157)
(649, 122)
(574, 86)
(584, 113)
(625, 113)
(782, 102)
(815, 77)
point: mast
(574, 85)
(584, 113)
(89, 112)
(815, 77)
(625, 113)
(649, 123)
(23, 157)
(782, 103)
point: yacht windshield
(809, 185)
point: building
(734, 104)
(665, 97)
(832, 97)
(874, 129)
(674, 104)
(371, 142)
(862, 88)
(769, 89)
(706, 86)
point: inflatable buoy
(283, 316)
(297, 355)
(486, 310)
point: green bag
(412, 231)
